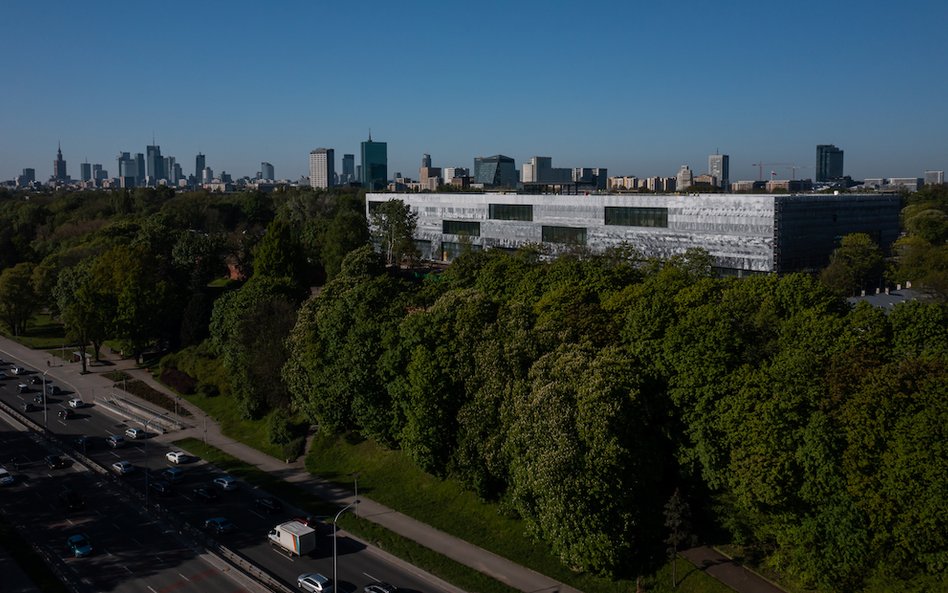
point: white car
(314, 582)
(123, 467)
(76, 403)
(135, 433)
(176, 456)
(17, 370)
(226, 482)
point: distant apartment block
(934, 177)
(719, 166)
(322, 168)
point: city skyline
(632, 93)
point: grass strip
(28, 560)
(424, 558)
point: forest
(581, 393)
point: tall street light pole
(335, 585)
(45, 410)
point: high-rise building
(322, 168)
(348, 169)
(85, 171)
(829, 162)
(934, 177)
(168, 168)
(426, 160)
(98, 174)
(59, 166)
(266, 171)
(719, 167)
(684, 179)
(154, 164)
(29, 176)
(374, 165)
(140, 167)
(127, 170)
(495, 171)
(199, 165)
(207, 175)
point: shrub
(178, 380)
(278, 428)
(294, 449)
(208, 390)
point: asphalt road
(357, 565)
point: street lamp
(335, 584)
(45, 410)
(355, 476)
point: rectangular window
(461, 227)
(564, 234)
(631, 216)
(511, 212)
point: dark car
(29, 407)
(53, 389)
(380, 587)
(37, 399)
(267, 504)
(55, 462)
(161, 488)
(84, 443)
(71, 499)
(36, 380)
(66, 414)
(206, 494)
(219, 525)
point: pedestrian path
(93, 385)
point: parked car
(380, 587)
(206, 494)
(314, 582)
(115, 441)
(76, 403)
(66, 414)
(219, 525)
(135, 433)
(226, 482)
(176, 456)
(123, 467)
(55, 462)
(79, 545)
(173, 474)
(268, 504)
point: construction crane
(760, 168)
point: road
(358, 565)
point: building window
(630, 216)
(511, 212)
(564, 234)
(461, 227)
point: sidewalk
(93, 385)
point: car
(29, 407)
(173, 474)
(17, 370)
(38, 399)
(76, 403)
(55, 462)
(36, 380)
(53, 389)
(66, 414)
(226, 482)
(79, 545)
(84, 443)
(71, 499)
(176, 456)
(115, 441)
(314, 582)
(22, 387)
(380, 587)
(6, 478)
(219, 525)
(161, 488)
(123, 467)
(206, 494)
(268, 504)
(135, 433)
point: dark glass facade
(829, 162)
(566, 235)
(511, 212)
(374, 165)
(634, 216)
(461, 227)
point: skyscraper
(98, 174)
(348, 168)
(266, 171)
(127, 170)
(322, 168)
(495, 171)
(829, 162)
(719, 165)
(168, 168)
(59, 166)
(85, 171)
(140, 168)
(374, 165)
(154, 164)
(199, 165)
(684, 179)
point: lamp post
(335, 585)
(45, 410)
(355, 476)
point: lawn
(42, 332)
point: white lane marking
(257, 514)
(127, 568)
(371, 577)
(152, 590)
(184, 577)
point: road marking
(127, 568)
(184, 577)
(257, 514)
(371, 577)
(152, 590)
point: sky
(638, 87)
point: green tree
(393, 226)
(678, 524)
(86, 310)
(856, 264)
(17, 300)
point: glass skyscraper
(829, 162)
(374, 165)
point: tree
(86, 310)
(393, 226)
(279, 255)
(17, 299)
(346, 232)
(856, 264)
(678, 524)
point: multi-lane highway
(136, 547)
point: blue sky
(637, 87)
